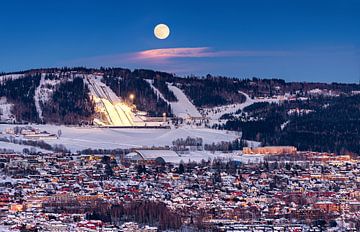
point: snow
(43, 93)
(198, 156)
(5, 110)
(216, 112)
(183, 108)
(252, 143)
(18, 147)
(79, 138)
(4, 228)
(282, 126)
(117, 111)
(157, 92)
(38, 96)
(10, 76)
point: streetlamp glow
(164, 117)
(131, 96)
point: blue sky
(310, 40)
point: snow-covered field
(18, 147)
(79, 138)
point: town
(155, 190)
(180, 116)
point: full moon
(161, 31)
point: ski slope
(216, 112)
(183, 108)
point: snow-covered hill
(183, 108)
(216, 112)
(5, 111)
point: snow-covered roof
(153, 154)
(169, 159)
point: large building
(153, 155)
(270, 150)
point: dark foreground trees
(143, 212)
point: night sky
(296, 40)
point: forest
(324, 124)
(203, 91)
(20, 92)
(211, 91)
(69, 104)
(164, 90)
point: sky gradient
(297, 40)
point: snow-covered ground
(44, 92)
(18, 147)
(39, 96)
(157, 92)
(5, 110)
(183, 108)
(79, 138)
(216, 112)
(198, 156)
(4, 228)
(10, 77)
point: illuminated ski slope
(118, 113)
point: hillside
(310, 116)
(20, 92)
(326, 124)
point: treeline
(224, 146)
(253, 86)
(211, 91)
(143, 212)
(257, 87)
(21, 92)
(35, 143)
(205, 91)
(69, 104)
(328, 125)
(164, 90)
(147, 213)
(145, 98)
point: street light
(132, 96)
(164, 116)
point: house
(270, 150)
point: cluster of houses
(282, 192)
